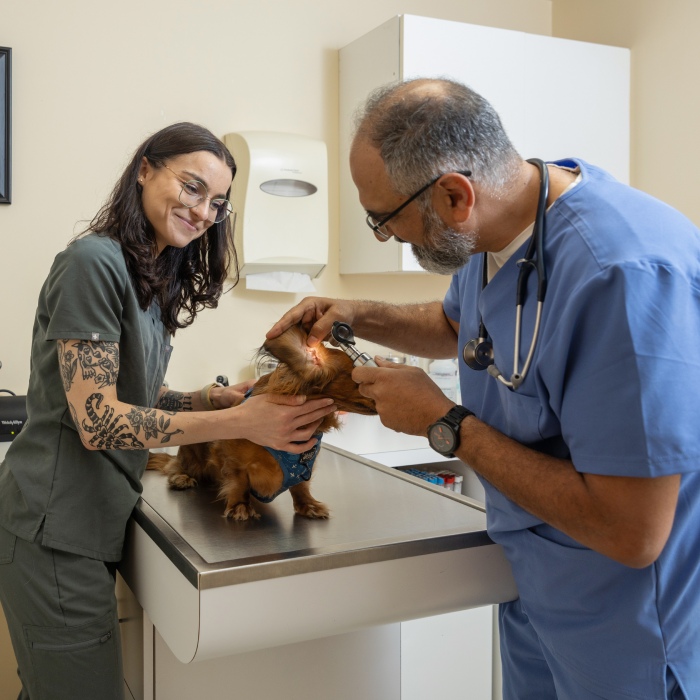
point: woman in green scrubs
(157, 253)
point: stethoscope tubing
(534, 259)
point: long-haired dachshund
(244, 470)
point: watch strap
(453, 420)
(456, 415)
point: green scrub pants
(61, 611)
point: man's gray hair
(426, 127)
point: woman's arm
(209, 398)
(89, 371)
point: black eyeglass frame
(369, 219)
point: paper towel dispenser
(280, 194)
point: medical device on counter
(478, 352)
(13, 415)
(343, 335)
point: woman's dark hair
(180, 279)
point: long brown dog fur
(238, 465)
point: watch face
(442, 438)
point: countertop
(375, 515)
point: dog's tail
(159, 461)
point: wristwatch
(443, 435)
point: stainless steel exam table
(392, 550)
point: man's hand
(407, 400)
(316, 315)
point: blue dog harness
(295, 467)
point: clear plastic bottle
(444, 374)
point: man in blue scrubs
(591, 464)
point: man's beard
(445, 249)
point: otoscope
(343, 335)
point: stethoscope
(478, 352)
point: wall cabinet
(557, 98)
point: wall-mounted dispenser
(280, 194)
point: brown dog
(244, 470)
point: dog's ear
(289, 347)
(343, 390)
(328, 376)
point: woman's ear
(453, 198)
(144, 169)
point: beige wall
(91, 81)
(665, 97)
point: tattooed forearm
(153, 425)
(175, 401)
(115, 431)
(107, 430)
(98, 361)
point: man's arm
(625, 518)
(415, 329)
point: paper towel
(280, 282)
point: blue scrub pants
(61, 611)
(532, 672)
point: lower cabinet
(447, 656)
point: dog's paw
(312, 509)
(241, 511)
(181, 481)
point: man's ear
(453, 198)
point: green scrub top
(82, 498)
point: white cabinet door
(557, 98)
(448, 656)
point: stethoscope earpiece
(478, 353)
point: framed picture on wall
(5, 124)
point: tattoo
(67, 364)
(99, 361)
(153, 425)
(108, 430)
(108, 433)
(175, 401)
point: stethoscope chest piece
(478, 353)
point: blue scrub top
(614, 386)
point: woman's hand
(282, 422)
(228, 396)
